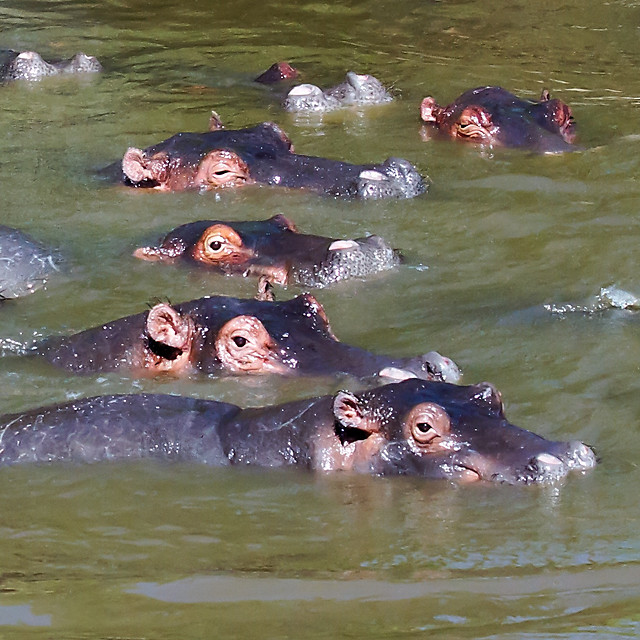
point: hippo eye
(240, 341)
(219, 244)
(427, 423)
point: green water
(156, 551)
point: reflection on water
(160, 551)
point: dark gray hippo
(494, 117)
(25, 264)
(412, 428)
(221, 335)
(225, 158)
(356, 90)
(272, 248)
(29, 65)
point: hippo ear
(485, 393)
(308, 306)
(215, 122)
(166, 326)
(282, 222)
(138, 167)
(351, 413)
(545, 96)
(430, 110)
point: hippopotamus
(261, 154)
(222, 335)
(273, 248)
(276, 73)
(412, 428)
(356, 90)
(25, 264)
(494, 117)
(29, 65)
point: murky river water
(170, 551)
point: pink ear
(138, 167)
(429, 109)
(349, 411)
(166, 326)
(134, 165)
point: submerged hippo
(356, 90)
(29, 65)
(221, 335)
(25, 264)
(273, 248)
(277, 72)
(416, 428)
(495, 117)
(261, 154)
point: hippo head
(357, 89)
(29, 65)
(440, 430)
(272, 248)
(495, 117)
(262, 154)
(236, 336)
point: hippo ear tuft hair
(351, 413)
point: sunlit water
(171, 551)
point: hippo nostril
(547, 460)
(371, 174)
(305, 90)
(580, 456)
(339, 245)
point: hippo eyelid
(426, 423)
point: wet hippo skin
(29, 65)
(25, 264)
(277, 72)
(356, 90)
(263, 154)
(414, 428)
(273, 248)
(492, 116)
(222, 335)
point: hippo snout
(395, 178)
(551, 466)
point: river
(144, 550)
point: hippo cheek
(221, 168)
(244, 346)
(398, 458)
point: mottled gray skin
(356, 90)
(301, 343)
(371, 432)
(29, 65)
(274, 249)
(25, 265)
